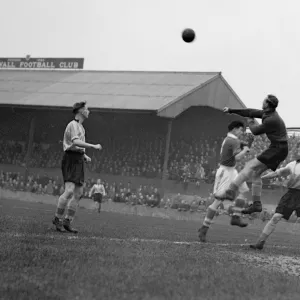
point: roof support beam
(166, 158)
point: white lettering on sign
(41, 63)
(8, 64)
(68, 65)
(36, 64)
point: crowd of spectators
(34, 184)
(133, 145)
(189, 160)
(120, 192)
(129, 157)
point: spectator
(49, 188)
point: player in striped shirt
(98, 192)
(72, 167)
(288, 203)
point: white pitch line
(294, 230)
(30, 208)
(130, 240)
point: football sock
(211, 211)
(256, 190)
(239, 206)
(61, 205)
(72, 208)
(270, 227)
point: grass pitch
(119, 256)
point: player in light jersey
(72, 167)
(231, 152)
(288, 203)
(98, 191)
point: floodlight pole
(166, 157)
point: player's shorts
(274, 155)
(97, 197)
(289, 203)
(72, 167)
(224, 177)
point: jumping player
(231, 152)
(288, 203)
(273, 126)
(97, 192)
(73, 168)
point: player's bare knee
(257, 168)
(78, 192)
(276, 218)
(253, 173)
(69, 189)
(248, 166)
(68, 194)
(77, 196)
(248, 170)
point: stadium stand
(131, 113)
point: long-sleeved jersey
(272, 124)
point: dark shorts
(72, 167)
(274, 155)
(97, 197)
(289, 203)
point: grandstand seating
(133, 145)
(193, 161)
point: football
(188, 35)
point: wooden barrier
(269, 197)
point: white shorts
(225, 176)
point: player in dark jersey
(231, 151)
(273, 126)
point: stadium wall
(171, 186)
(106, 206)
(270, 197)
(109, 206)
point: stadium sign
(41, 63)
